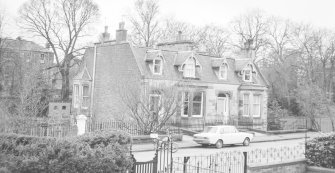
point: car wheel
(219, 144)
(246, 142)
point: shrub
(321, 151)
(95, 152)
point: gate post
(245, 162)
(155, 162)
(185, 164)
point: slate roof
(205, 72)
(174, 58)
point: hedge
(96, 152)
(321, 151)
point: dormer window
(247, 74)
(189, 68)
(157, 66)
(223, 71)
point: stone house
(230, 89)
(19, 57)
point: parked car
(219, 135)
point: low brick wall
(297, 166)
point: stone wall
(298, 166)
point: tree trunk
(65, 92)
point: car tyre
(246, 142)
(219, 144)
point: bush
(96, 152)
(321, 152)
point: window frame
(188, 103)
(187, 73)
(160, 66)
(201, 104)
(76, 95)
(85, 97)
(244, 103)
(223, 67)
(258, 105)
(42, 58)
(249, 69)
(159, 100)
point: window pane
(196, 109)
(197, 103)
(154, 101)
(189, 68)
(157, 66)
(85, 91)
(247, 75)
(185, 108)
(197, 96)
(186, 102)
(257, 105)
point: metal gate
(161, 163)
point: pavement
(188, 142)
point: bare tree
(215, 40)
(251, 26)
(144, 22)
(62, 23)
(151, 106)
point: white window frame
(75, 95)
(160, 66)
(189, 72)
(223, 67)
(42, 58)
(249, 68)
(159, 100)
(183, 103)
(82, 96)
(256, 104)
(201, 104)
(244, 113)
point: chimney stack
(121, 33)
(105, 35)
(249, 49)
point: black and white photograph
(167, 86)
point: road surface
(195, 151)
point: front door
(223, 107)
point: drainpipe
(93, 79)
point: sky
(319, 13)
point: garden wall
(298, 166)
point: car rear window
(210, 129)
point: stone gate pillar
(81, 124)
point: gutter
(93, 79)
